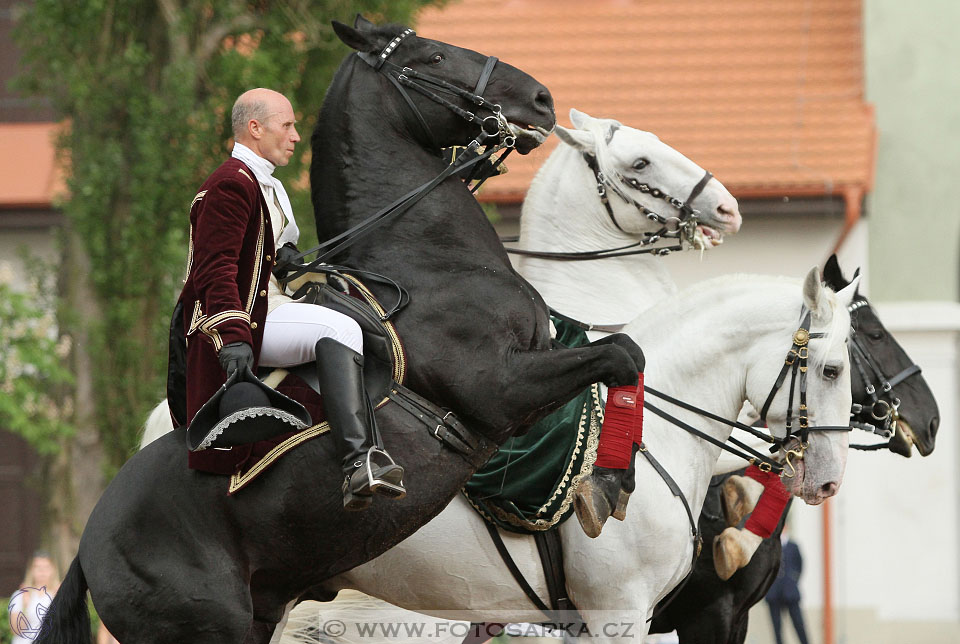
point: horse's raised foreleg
(535, 382)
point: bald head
(263, 120)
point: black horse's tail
(67, 620)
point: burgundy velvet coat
(224, 297)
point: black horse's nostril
(934, 424)
(543, 101)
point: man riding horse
(233, 317)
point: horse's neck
(363, 163)
(705, 369)
(562, 212)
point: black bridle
(796, 365)
(681, 227)
(403, 77)
(494, 135)
(885, 413)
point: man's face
(279, 135)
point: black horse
(709, 610)
(168, 556)
(876, 359)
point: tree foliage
(146, 87)
(32, 372)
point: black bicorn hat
(244, 410)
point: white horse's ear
(813, 291)
(579, 119)
(579, 139)
(848, 292)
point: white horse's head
(632, 159)
(822, 459)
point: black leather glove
(285, 255)
(235, 355)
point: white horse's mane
(767, 289)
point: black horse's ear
(832, 275)
(354, 38)
(362, 23)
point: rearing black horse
(169, 557)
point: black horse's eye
(640, 164)
(436, 58)
(831, 372)
(875, 334)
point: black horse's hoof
(597, 498)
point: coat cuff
(221, 328)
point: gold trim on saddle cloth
(588, 438)
(240, 480)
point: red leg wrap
(622, 426)
(765, 517)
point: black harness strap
(750, 455)
(446, 427)
(515, 571)
(694, 528)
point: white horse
(562, 212)
(716, 345)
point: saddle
(384, 367)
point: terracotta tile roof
(29, 176)
(767, 95)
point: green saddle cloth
(528, 484)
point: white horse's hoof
(732, 550)
(740, 495)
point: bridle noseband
(884, 412)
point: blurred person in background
(784, 594)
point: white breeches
(293, 329)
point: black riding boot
(367, 467)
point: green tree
(146, 89)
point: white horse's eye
(640, 164)
(832, 372)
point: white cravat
(273, 193)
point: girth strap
(445, 426)
(694, 528)
(551, 560)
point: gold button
(263, 293)
(269, 258)
(253, 325)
